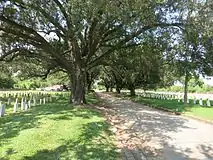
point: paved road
(174, 137)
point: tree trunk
(111, 89)
(89, 86)
(132, 91)
(78, 79)
(186, 87)
(107, 89)
(89, 82)
(118, 90)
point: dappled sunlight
(54, 131)
(164, 134)
(83, 146)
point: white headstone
(201, 102)
(188, 100)
(40, 101)
(34, 101)
(29, 103)
(25, 106)
(15, 108)
(195, 100)
(44, 100)
(208, 103)
(2, 110)
(178, 100)
(9, 101)
(22, 104)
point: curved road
(175, 137)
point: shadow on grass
(12, 124)
(92, 99)
(90, 145)
(172, 105)
(169, 104)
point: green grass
(202, 112)
(56, 131)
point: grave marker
(44, 100)
(201, 102)
(25, 106)
(188, 101)
(208, 103)
(9, 101)
(40, 102)
(22, 104)
(15, 108)
(29, 103)
(2, 110)
(34, 101)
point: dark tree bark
(89, 86)
(132, 91)
(89, 82)
(118, 84)
(118, 90)
(78, 80)
(107, 88)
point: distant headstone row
(178, 97)
(25, 100)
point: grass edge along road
(195, 110)
(56, 131)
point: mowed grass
(202, 112)
(56, 131)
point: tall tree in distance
(6, 74)
(189, 52)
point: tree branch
(14, 52)
(51, 19)
(64, 13)
(131, 37)
(22, 28)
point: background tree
(91, 76)
(138, 67)
(6, 80)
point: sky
(208, 81)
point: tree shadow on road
(158, 129)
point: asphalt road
(174, 137)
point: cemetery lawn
(56, 131)
(204, 112)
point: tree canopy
(74, 36)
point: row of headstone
(179, 98)
(158, 96)
(24, 105)
(7, 94)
